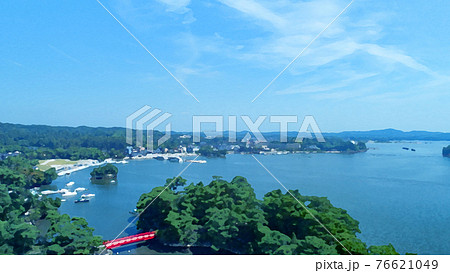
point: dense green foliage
(30, 224)
(49, 142)
(209, 151)
(446, 151)
(330, 144)
(227, 216)
(335, 144)
(74, 143)
(107, 170)
(13, 169)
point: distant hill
(375, 135)
(392, 134)
(10, 133)
(378, 135)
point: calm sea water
(398, 196)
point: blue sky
(382, 64)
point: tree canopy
(24, 215)
(227, 216)
(49, 142)
(209, 151)
(108, 169)
(446, 151)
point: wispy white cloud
(341, 49)
(294, 24)
(257, 11)
(315, 86)
(139, 12)
(396, 56)
(283, 28)
(180, 7)
(353, 39)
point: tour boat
(175, 159)
(88, 195)
(134, 212)
(81, 200)
(196, 161)
(69, 193)
(49, 192)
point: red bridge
(130, 239)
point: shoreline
(165, 156)
(74, 166)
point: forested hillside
(227, 216)
(48, 142)
(31, 224)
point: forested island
(446, 151)
(226, 217)
(107, 173)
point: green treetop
(227, 216)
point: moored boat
(49, 192)
(133, 212)
(196, 161)
(70, 193)
(88, 195)
(175, 159)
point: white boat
(88, 195)
(70, 184)
(197, 161)
(70, 193)
(49, 192)
(80, 189)
(63, 200)
(175, 159)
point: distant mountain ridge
(392, 134)
(375, 135)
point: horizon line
(225, 131)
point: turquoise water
(399, 197)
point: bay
(398, 196)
